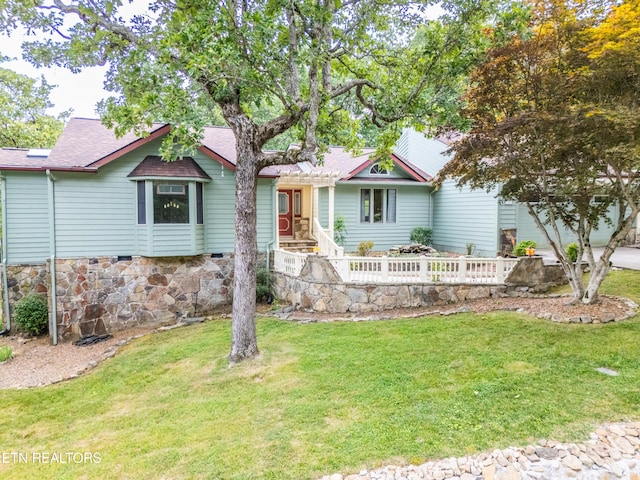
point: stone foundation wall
(532, 274)
(25, 279)
(319, 288)
(100, 295)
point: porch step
(300, 246)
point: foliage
(520, 250)
(23, 105)
(558, 113)
(31, 314)
(263, 288)
(381, 400)
(572, 251)
(422, 235)
(5, 353)
(471, 247)
(340, 230)
(308, 70)
(364, 248)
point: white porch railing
(423, 269)
(491, 271)
(288, 262)
(326, 244)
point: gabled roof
(154, 166)
(86, 145)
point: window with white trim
(170, 202)
(378, 170)
(378, 205)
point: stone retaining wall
(99, 295)
(531, 274)
(319, 288)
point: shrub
(471, 247)
(421, 235)
(263, 291)
(339, 230)
(5, 353)
(364, 248)
(32, 314)
(572, 251)
(520, 249)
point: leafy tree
(23, 121)
(312, 68)
(556, 122)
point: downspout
(5, 282)
(274, 238)
(52, 250)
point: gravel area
(37, 363)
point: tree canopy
(556, 122)
(312, 70)
(24, 122)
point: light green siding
(462, 216)
(27, 228)
(527, 230)
(507, 214)
(96, 214)
(219, 200)
(412, 210)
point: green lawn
(328, 397)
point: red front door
(285, 213)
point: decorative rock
(572, 462)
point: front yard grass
(327, 397)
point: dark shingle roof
(154, 166)
(86, 145)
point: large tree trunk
(244, 343)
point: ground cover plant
(329, 397)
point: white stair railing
(326, 244)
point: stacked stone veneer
(320, 289)
(100, 295)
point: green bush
(263, 291)
(364, 248)
(32, 314)
(339, 230)
(5, 353)
(572, 251)
(421, 235)
(520, 249)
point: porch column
(331, 206)
(314, 211)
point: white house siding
(27, 228)
(462, 216)
(412, 210)
(527, 230)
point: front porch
(297, 209)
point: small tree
(556, 118)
